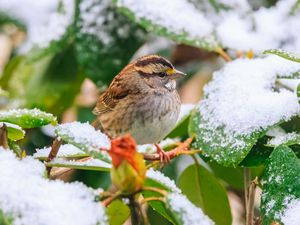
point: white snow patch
(66, 150)
(91, 162)
(284, 138)
(291, 215)
(84, 135)
(189, 213)
(31, 199)
(162, 179)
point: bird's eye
(162, 74)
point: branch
(250, 206)
(57, 172)
(181, 149)
(3, 136)
(54, 150)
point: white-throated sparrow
(141, 100)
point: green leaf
(56, 76)
(258, 154)
(14, 132)
(298, 92)
(157, 206)
(287, 139)
(162, 28)
(5, 219)
(27, 118)
(230, 154)
(16, 149)
(281, 182)
(205, 191)
(232, 176)
(91, 164)
(284, 54)
(105, 40)
(117, 212)
(7, 19)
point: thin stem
(154, 189)
(224, 55)
(136, 212)
(57, 172)
(54, 150)
(145, 200)
(3, 136)
(251, 198)
(247, 180)
(111, 198)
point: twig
(137, 217)
(52, 154)
(3, 136)
(222, 53)
(111, 198)
(250, 206)
(154, 189)
(145, 200)
(181, 149)
(247, 180)
(57, 172)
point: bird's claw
(163, 156)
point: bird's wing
(109, 99)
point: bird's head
(158, 70)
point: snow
(184, 209)
(31, 199)
(17, 113)
(44, 23)
(150, 148)
(284, 138)
(261, 29)
(291, 215)
(83, 134)
(241, 98)
(162, 13)
(66, 150)
(162, 179)
(89, 163)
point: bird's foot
(164, 157)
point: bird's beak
(176, 74)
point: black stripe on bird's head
(156, 65)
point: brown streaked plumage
(141, 100)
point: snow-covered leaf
(189, 26)
(90, 164)
(105, 39)
(65, 151)
(285, 139)
(284, 54)
(184, 212)
(205, 191)
(159, 180)
(14, 132)
(27, 118)
(232, 115)
(86, 138)
(281, 183)
(42, 201)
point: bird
(141, 100)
